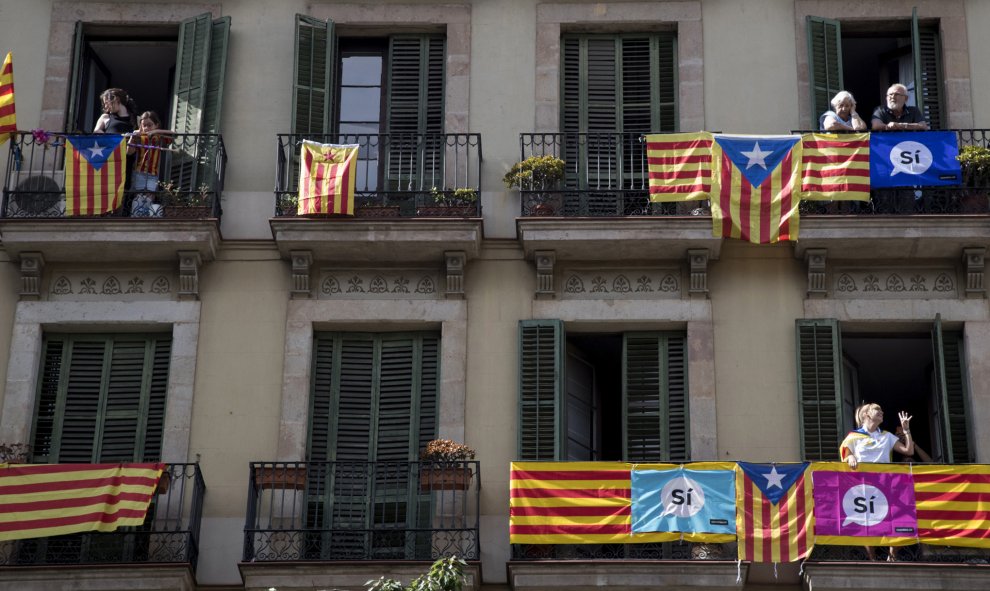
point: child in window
(147, 143)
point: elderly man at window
(896, 114)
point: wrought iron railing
(918, 553)
(191, 176)
(606, 175)
(362, 511)
(169, 534)
(398, 174)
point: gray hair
(840, 97)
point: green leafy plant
(445, 450)
(446, 574)
(461, 196)
(535, 173)
(975, 163)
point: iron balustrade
(606, 175)
(362, 511)
(191, 176)
(169, 534)
(398, 174)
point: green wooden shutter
(956, 398)
(192, 64)
(654, 398)
(101, 398)
(73, 116)
(928, 90)
(819, 384)
(541, 374)
(313, 77)
(215, 73)
(824, 64)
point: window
(602, 396)
(101, 398)
(866, 58)
(374, 400)
(921, 373)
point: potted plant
(280, 476)
(975, 164)
(14, 453)
(538, 179)
(442, 466)
(461, 202)
(186, 204)
(446, 574)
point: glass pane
(361, 70)
(360, 104)
(349, 129)
(367, 175)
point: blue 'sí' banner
(914, 159)
(684, 500)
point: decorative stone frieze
(455, 261)
(379, 284)
(816, 259)
(545, 261)
(82, 286)
(189, 262)
(975, 261)
(32, 264)
(621, 284)
(899, 283)
(698, 265)
(302, 261)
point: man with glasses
(897, 114)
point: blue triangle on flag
(96, 149)
(773, 480)
(756, 157)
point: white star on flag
(774, 478)
(95, 150)
(757, 157)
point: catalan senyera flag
(94, 173)
(953, 504)
(53, 499)
(756, 187)
(680, 166)
(773, 512)
(8, 120)
(836, 167)
(327, 174)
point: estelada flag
(836, 167)
(94, 173)
(680, 166)
(53, 499)
(756, 187)
(326, 178)
(8, 121)
(773, 512)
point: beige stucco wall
(977, 14)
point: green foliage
(446, 574)
(535, 172)
(975, 162)
(459, 196)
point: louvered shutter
(956, 399)
(824, 64)
(541, 372)
(654, 397)
(929, 54)
(313, 77)
(819, 376)
(74, 116)
(189, 96)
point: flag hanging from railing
(872, 505)
(54, 499)
(756, 187)
(680, 166)
(773, 512)
(919, 158)
(836, 167)
(698, 503)
(952, 504)
(327, 178)
(94, 174)
(8, 120)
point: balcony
(405, 209)
(183, 216)
(161, 554)
(369, 518)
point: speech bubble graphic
(681, 497)
(864, 505)
(910, 158)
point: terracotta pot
(449, 211)
(163, 483)
(437, 478)
(377, 211)
(283, 477)
(188, 212)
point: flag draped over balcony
(919, 158)
(680, 166)
(952, 504)
(327, 178)
(8, 120)
(836, 167)
(54, 499)
(94, 174)
(773, 512)
(871, 505)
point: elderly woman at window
(843, 116)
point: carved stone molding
(816, 259)
(698, 265)
(101, 285)
(302, 262)
(621, 284)
(545, 261)
(899, 283)
(32, 264)
(189, 262)
(379, 284)
(975, 261)
(455, 261)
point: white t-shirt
(873, 448)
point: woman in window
(843, 116)
(119, 112)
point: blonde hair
(862, 410)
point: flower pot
(189, 212)
(444, 478)
(450, 211)
(163, 483)
(282, 477)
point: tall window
(101, 398)
(602, 396)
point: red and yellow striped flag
(94, 174)
(953, 504)
(836, 167)
(680, 166)
(773, 512)
(8, 120)
(326, 178)
(53, 499)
